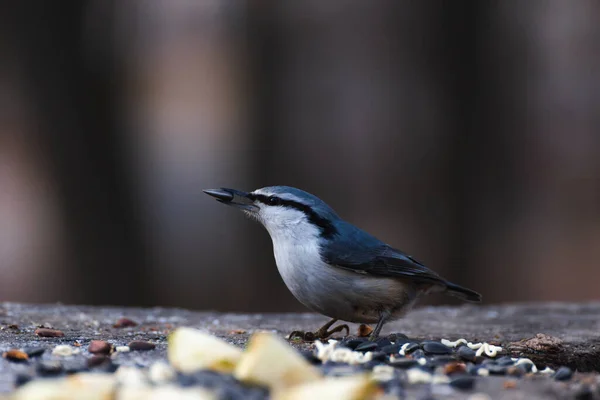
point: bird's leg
(322, 333)
(383, 317)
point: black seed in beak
(219, 194)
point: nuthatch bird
(333, 267)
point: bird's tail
(462, 293)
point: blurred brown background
(465, 133)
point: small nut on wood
(454, 367)
(364, 330)
(124, 323)
(47, 332)
(15, 355)
(141, 345)
(98, 360)
(510, 384)
(100, 347)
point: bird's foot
(323, 333)
(320, 334)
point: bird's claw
(320, 334)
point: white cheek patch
(280, 216)
(274, 212)
(285, 224)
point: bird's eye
(274, 201)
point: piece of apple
(355, 387)
(82, 386)
(192, 350)
(269, 361)
(164, 392)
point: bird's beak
(232, 197)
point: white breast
(297, 256)
(329, 290)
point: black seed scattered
(75, 366)
(446, 358)
(436, 348)
(391, 349)
(464, 382)
(466, 353)
(207, 379)
(472, 369)
(403, 363)
(185, 380)
(505, 361)
(101, 363)
(496, 369)
(438, 361)
(109, 368)
(515, 371)
(353, 343)
(366, 346)
(238, 392)
(411, 347)
(396, 336)
(334, 364)
(382, 342)
(369, 365)
(229, 393)
(488, 361)
(563, 374)
(379, 356)
(255, 393)
(225, 386)
(418, 353)
(49, 368)
(401, 341)
(526, 367)
(34, 351)
(22, 379)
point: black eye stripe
(327, 228)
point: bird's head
(282, 210)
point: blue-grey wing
(359, 251)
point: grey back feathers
(346, 246)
